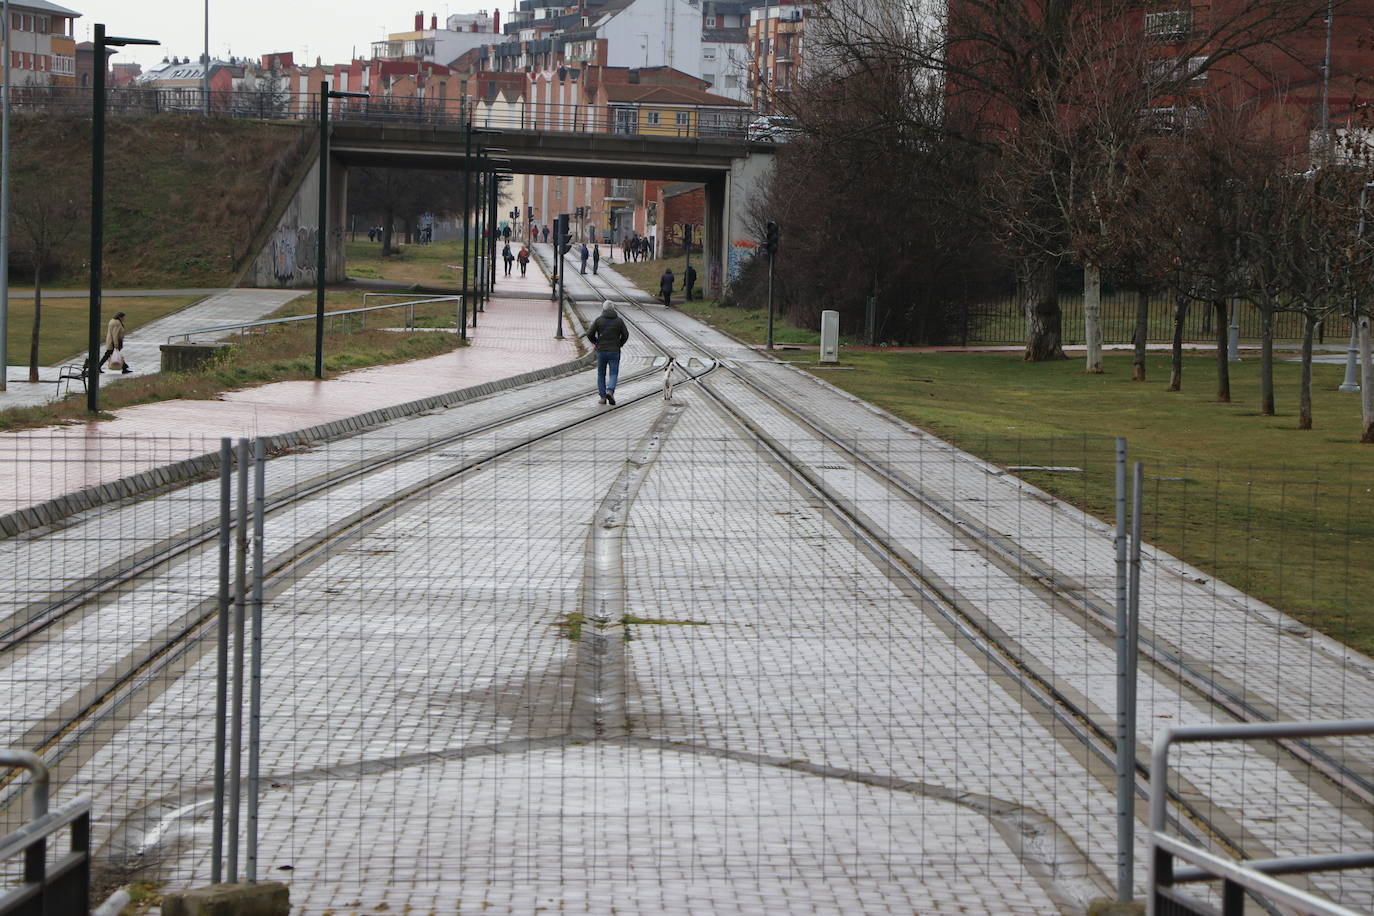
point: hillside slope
(183, 196)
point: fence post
(222, 660)
(1125, 795)
(240, 607)
(255, 682)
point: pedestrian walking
(114, 343)
(665, 287)
(524, 258)
(584, 254)
(689, 279)
(608, 334)
(596, 257)
(507, 257)
(546, 235)
(625, 249)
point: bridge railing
(627, 119)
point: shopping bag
(117, 359)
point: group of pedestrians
(523, 258)
(594, 254)
(637, 248)
(666, 281)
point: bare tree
(1017, 77)
(44, 218)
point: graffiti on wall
(741, 250)
(293, 255)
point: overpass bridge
(731, 168)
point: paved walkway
(514, 335)
(141, 345)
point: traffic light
(560, 231)
(529, 211)
(770, 241)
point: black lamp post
(494, 164)
(102, 41)
(486, 163)
(467, 217)
(322, 235)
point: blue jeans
(607, 361)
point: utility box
(830, 336)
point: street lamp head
(485, 130)
(338, 94)
(112, 41)
(486, 150)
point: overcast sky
(251, 28)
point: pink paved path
(512, 336)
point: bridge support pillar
(713, 248)
(745, 185)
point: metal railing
(1238, 878)
(345, 316)
(630, 119)
(56, 888)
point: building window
(1168, 25)
(708, 53)
(710, 22)
(731, 81)
(683, 119)
(654, 120)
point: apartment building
(42, 50)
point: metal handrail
(41, 778)
(265, 322)
(1249, 876)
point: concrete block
(181, 357)
(267, 899)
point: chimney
(496, 22)
(434, 22)
(419, 20)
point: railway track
(1094, 727)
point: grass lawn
(425, 264)
(1280, 513)
(280, 354)
(63, 334)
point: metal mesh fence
(656, 660)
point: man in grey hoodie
(608, 334)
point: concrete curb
(207, 465)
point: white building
(651, 33)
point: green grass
(1281, 513)
(281, 354)
(430, 265)
(63, 334)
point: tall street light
(322, 234)
(467, 219)
(494, 164)
(486, 163)
(102, 41)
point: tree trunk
(1223, 367)
(37, 318)
(1266, 362)
(1176, 355)
(1040, 305)
(1092, 317)
(1366, 384)
(1141, 335)
(1309, 329)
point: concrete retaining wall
(288, 256)
(206, 466)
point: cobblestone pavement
(785, 723)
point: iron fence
(694, 121)
(1003, 322)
